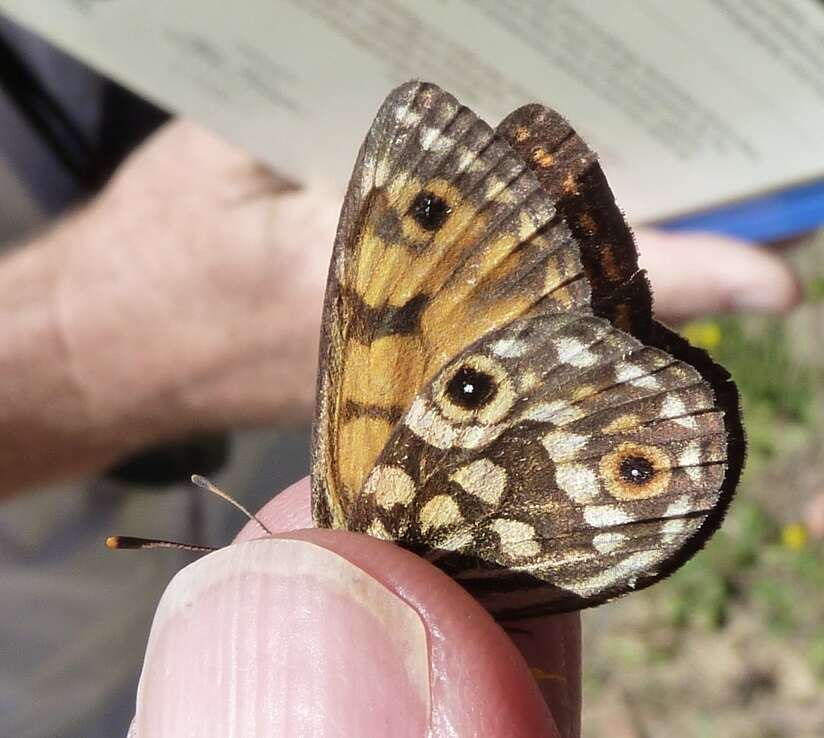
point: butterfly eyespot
(478, 390)
(635, 471)
(471, 389)
(429, 211)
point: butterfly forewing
(494, 393)
(445, 234)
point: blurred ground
(733, 644)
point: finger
(694, 274)
(551, 646)
(318, 629)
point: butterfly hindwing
(588, 463)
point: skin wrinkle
(59, 323)
(74, 375)
(96, 413)
(79, 295)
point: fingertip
(289, 510)
(695, 273)
(480, 682)
(382, 626)
(474, 675)
(286, 636)
(769, 284)
(282, 637)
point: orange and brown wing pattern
(445, 235)
(569, 172)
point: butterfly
(494, 393)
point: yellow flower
(706, 334)
(794, 536)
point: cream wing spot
(494, 187)
(509, 348)
(623, 423)
(672, 529)
(578, 482)
(563, 446)
(678, 508)
(411, 119)
(433, 139)
(427, 424)
(606, 543)
(528, 380)
(636, 376)
(689, 459)
(478, 436)
(477, 165)
(679, 529)
(461, 539)
(530, 223)
(428, 136)
(676, 525)
(624, 371)
(465, 159)
(575, 353)
(646, 382)
(439, 512)
(390, 485)
(629, 568)
(377, 529)
(483, 479)
(674, 407)
(381, 172)
(517, 538)
(606, 516)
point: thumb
(317, 632)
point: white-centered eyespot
(635, 471)
(476, 389)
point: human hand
(205, 276)
(204, 273)
(694, 274)
(187, 297)
(319, 632)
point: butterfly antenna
(204, 483)
(123, 542)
